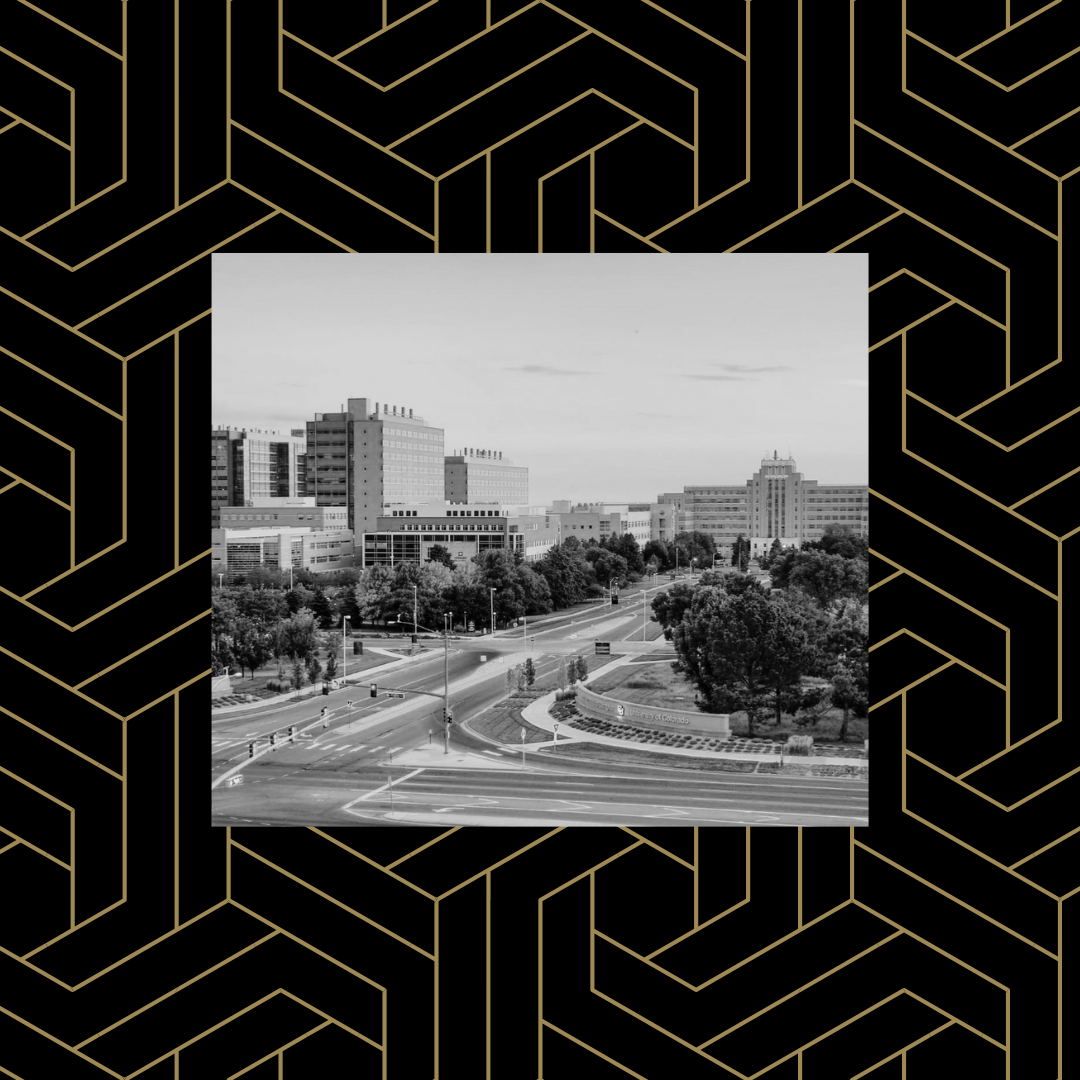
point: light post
(610, 583)
(219, 577)
(344, 651)
(644, 612)
(414, 614)
(446, 677)
(492, 591)
(692, 561)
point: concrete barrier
(603, 707)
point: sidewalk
(536, 713)
(353, 680)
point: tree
(669, 605)
(297, 673)
(793, 656)
(838, 539)
(696, 545)
(250, 646)
(828, 577)
(323, 609)
(566, 572)
(298, 597)
(530, 672)
(300, 637)
(440, 554)
(740, 552)
(626, 545)
(850, 689)
(736, 648)
(774, 552)
(571, 673)
(582, 668)
(656, 553)
(277, 641)
(314, 668)
(373, 594)
(223, 616)
(560, 675)
(331, 659)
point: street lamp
(414, 614)
(492, 591)
(344, 651)
(219, 577)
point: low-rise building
(270, 513)
(239, 551)
(408, 534)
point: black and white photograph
(531, 540)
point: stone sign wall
(602, 707)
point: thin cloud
(544, 369)
(719, 378)
(744, 367)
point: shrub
(278, 687)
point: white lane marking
(396, 780)
(374, 748)
(394, 749)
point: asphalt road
(344, 775)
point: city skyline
(611, 379)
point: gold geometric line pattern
(955, 899)
(326, 176)
(956, 540)
(60, 382)
(326, 896)
(936, 648)
(1009, 26)
(397, 22)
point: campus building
(776, 502)
(279, 513)
(238, 551)
(407, 534)
(370, 457)
(482, 476)
(247, 464)
(595, 521)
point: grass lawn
(661, 688)
(257, 685)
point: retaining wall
(604, 707)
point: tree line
(800, 648)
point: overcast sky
(611, 377)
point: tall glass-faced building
(248, 464)
(371, 457)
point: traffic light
(251, 749)
(273, 739)
(292, 734)
(448, 715)
(374, 690)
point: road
(346, 773)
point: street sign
(395, 693)
(472, 626)
(233, 780)
(556, 727)
(603, 648)
(522, 734)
